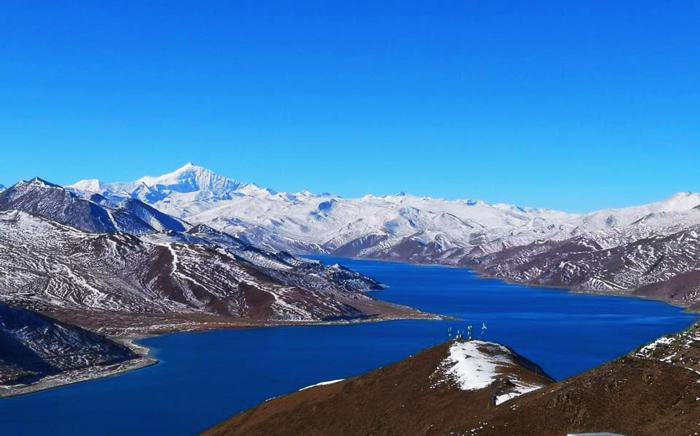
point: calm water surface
(204, 378)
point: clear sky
(561, 104)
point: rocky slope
(96, 214)
(122, 284)
(662, 267)
(635, 250)
(121, 266)
(454, 389)
(36, 348)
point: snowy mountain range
(391, 226)
(429, 230)
(120, 266)
(195, 250)
(78, 265)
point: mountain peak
(680, 202)
(38, 182)
(192, 178)
(88, 185)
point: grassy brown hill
(414, 396)
(653, 391)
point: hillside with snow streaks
(119, 283)
(614, 250)
(93, 213)
(40, 352)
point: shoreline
(144, 360)
(483, 275)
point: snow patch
(474, 365)
(323, 383)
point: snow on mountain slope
(192, 178)
(474, 365)
(94, 214)
(665, 267)
(649, 250)
(113, 281)
(34, 346)
(398, 227)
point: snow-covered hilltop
(484, 388)
(499, 239)
(474, 365)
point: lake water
(204, 378)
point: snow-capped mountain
(304, 222)
(119, 283)
(522, 244)
(401, 227)
(93, 214)
(191, 183)
(191, 178)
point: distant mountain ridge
(189, 179)
(92, 214)
(498, 239)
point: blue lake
(204, 378)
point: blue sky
(569, 105)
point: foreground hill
(634, 250)
(38, 351)
(486, 389)
(441, 389)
